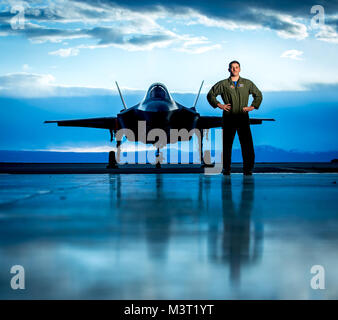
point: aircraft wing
(207, 122)
(103, 123)
(259, 121)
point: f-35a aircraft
(159, 110)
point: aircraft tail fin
(199, 91)
(118, 88)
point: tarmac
(101, 168)
(169, 236)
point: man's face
(234, 69)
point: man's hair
(233, 62)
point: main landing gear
(206, 157)
(114, 157)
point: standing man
(235, 93)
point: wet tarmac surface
(97, 168)
(169, 236)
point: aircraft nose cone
(159, 106)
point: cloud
(292, 54)
(65, 52)
(30, 85)
(327, 33)
(145, 25)
(327, 87)
(30, 13)
(286, 26)
(26, 67)
(103, 37)
(288, 20)
(33, 85)
(40, 34)
(112, 36)
(125, 147)
(107, 36)
(198, 50)
(25, 84)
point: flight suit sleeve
(216, 90)
(257, 95)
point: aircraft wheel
(112, 164)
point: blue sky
(79, 48)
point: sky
(62, 48)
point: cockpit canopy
(157, 91)
(157, 99)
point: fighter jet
(159, 110)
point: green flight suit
(237, 96)
(236, 120)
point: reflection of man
(241, 238)
(235, 93)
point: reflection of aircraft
(159, 110)
(242, 237)
(154, 224)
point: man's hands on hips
(247, 109)
(225, 107)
